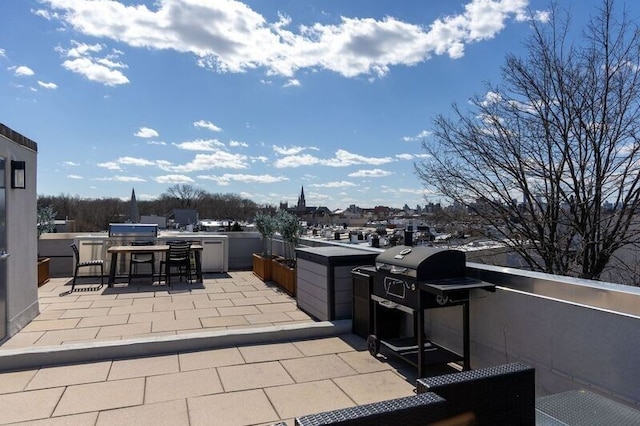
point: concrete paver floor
(92, 313)
(252, 383)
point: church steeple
(302, 204)
(134, 213)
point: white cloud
(200, 145)
(228, 177)
(217, 160)
(238, 144)
(420, 136)
(132, 161)
(292, 82)
(342, 158)
(122, 179)
(110, 165)
(47, 85)
(292, 150)
(156, 143)
(173, 179)
(370, 173)
(207, 125)
(404, 156)
(23, 71)
(146, 132)
(77, 177)
(342, 184)
(70, 163)
(229, 36)
(82, 59)
(297, 161)
(3, 53)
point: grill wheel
(373, 344)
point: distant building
(181, 218)
(312, 215)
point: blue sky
(256, 98)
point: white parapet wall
(572, 345)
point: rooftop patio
(196, 353)
(192, 355)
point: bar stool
(141, 258)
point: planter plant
(266, 225)
(284, 269)
(46, 223)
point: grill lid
(422, 263)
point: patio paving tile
(173, 413)
(278, 307)
(57, 324)
(223, 321)
(299, 316)
(51, 377)
(270, 318)
(197, 313)
(253, 376)
(204, 304)
(101, 396)
(102, 321)
(251, 301)
(323, 346)
(25, 406)
(140, 367)
(307, 398)
(49, 315)
(270, 352)
(124, 330)
(317, 368)
(57, 337)
(82, 313)
(84, 419)
(218, 296)
(387, 385)
(363, 362)
(110, 303)
(131, 309)
(238, 310)
(15, 381)
(168, 387)
(209, 359)
(235, 408)
(22, 340)
(176, 324)
(151, 316)
(179, 305)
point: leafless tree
(187, 196)
(561, 134)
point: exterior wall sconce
(18, 174)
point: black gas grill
(412, 279)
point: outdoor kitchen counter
(116, 250)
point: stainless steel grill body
(123, 234)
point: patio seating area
(268, 362)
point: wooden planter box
(284, 276)
(262, 267)
(43, 271)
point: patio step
(39, 356)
